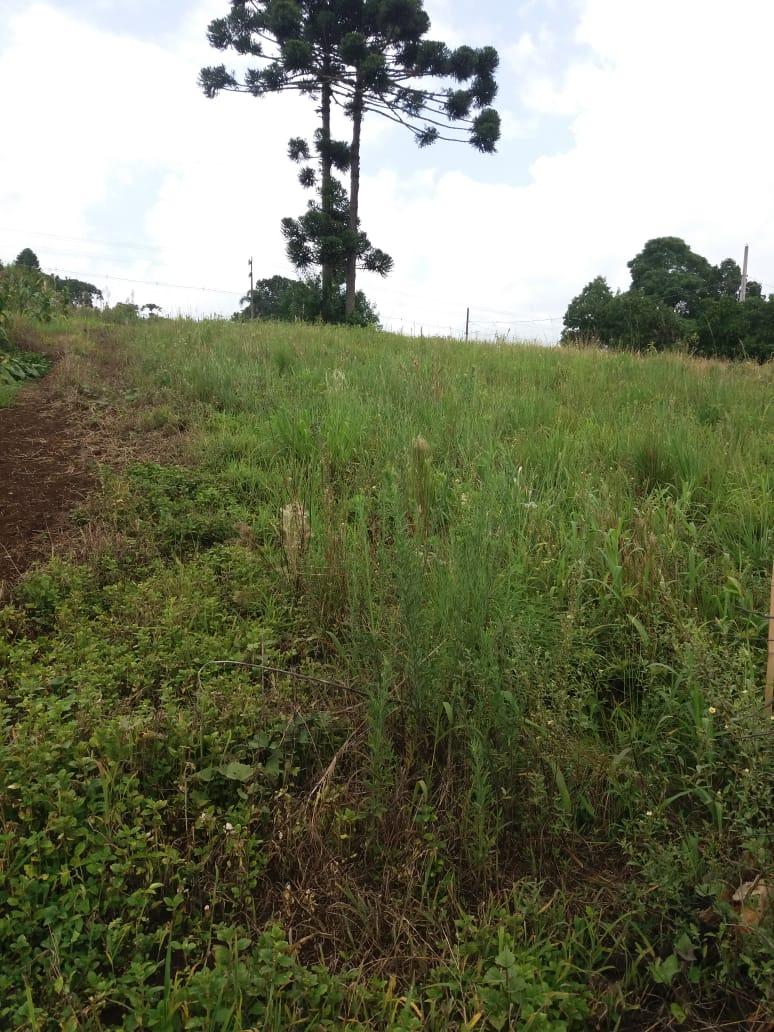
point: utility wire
(150, 283)
(179, 286)
(81, 240)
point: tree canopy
(676, 296)
(78, 293)
(27, 259)
(289, 300)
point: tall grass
(542, 577)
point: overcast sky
(623, 120)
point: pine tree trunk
(326, 196)
(354, 200)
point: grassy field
(471, 737)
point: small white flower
(712, 710)
(228, 826)
(746, 770)
(648, 813)
(206, 908)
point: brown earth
(56, 434)
(45, 471)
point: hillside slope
(393, 684)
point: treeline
(25, 271)
(677, 298)
(302, 300)
(25, 289)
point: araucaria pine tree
(365, 56)
(329, 236)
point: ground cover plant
(15, 368)
(420, 688)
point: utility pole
(743, 288)
(252, 291)
(467, 325)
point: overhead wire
(150, 283)
(112, 260)
(83, 240)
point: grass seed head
(296, 532)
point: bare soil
(45, 471)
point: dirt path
(45, 471)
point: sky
(622, 120)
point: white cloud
(524, 49)
(668, 135)
(101, 112)
(664, 142)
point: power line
(122, 259)
(388, 289)
(151, 283)
(177, 286)
(82, 240)
(512, 322)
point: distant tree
(122, 312)
(635, 320)
(152, 309)
(289, 300)
(728, 329)
(365, 56)
(27, 259)
(78, 293)
(727, 279)
(277, 297)
(586, 314)
(669, 271)
(676, 296)
(631, 319)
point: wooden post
(743, 288)
(769, 696)
(467, 325)
(252, 291)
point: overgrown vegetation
(423, 691)
(287, 300)
(16, 367)
(677, 299)
(20, 293)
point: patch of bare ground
(53, 440)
